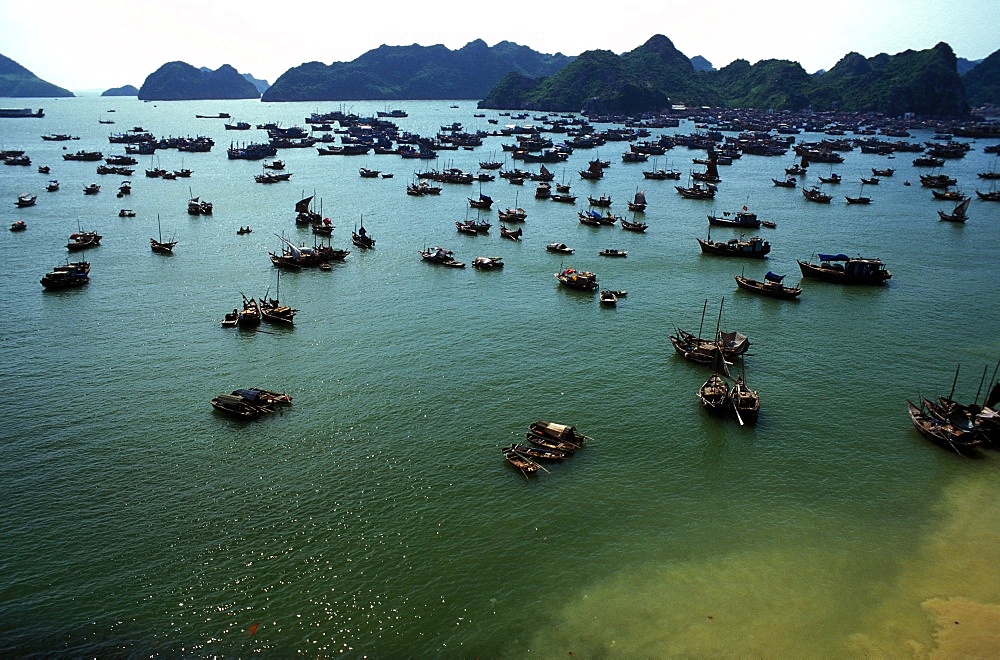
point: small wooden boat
(577, 279)
(520, 461)
(557, 431)
(942, 432)
(714, 395)
(235, 406)
(638, 203)
(608, 298)
(244, 230)
(561, 248)
(250, 316)
(368, 174)
(769, 224)
(362, 238)
(76, 273)
(612, 252)
(83, 239)
(771, 286)
(487, 263)
(512, 234)
(754, 247)
(52, 186)
(538, 453)
(833, 178)
(814, 194)
(789, 182)
(550, 443)
(958, 214)
(632, 225)
(126, 213)
(858, 200)
(25, 200)
(18, 225)
(603, 201)
(43, 169)
(745, 402)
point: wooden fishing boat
(362, 238)
(512, 234)
(520, 461)
(560, 248)
(958, 214)
(771, 286)
(487, 263)
(273, 311)
(841, 269)
(18, 225)
(942, 432)
(697, 191)
(632, 225)
(608, 298)
(250, 316)
(814, 194)
(550, 443)
(612, 252)
(745, 402)
(714, 395)
(161, 246)
(743, 219)
(83, 240)
(484, 202)
(538, 453)
(438, 255)
(638, 203)
(67, 275)
(789, 182)
(603, 201)
(557, 431)
(577, 279)
(833, 178)
(754, 247)
(25, 200)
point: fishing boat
(702, 350)
(81, 240)
(697, 191)
(273, 311)
(958, 214)
(632, 225)
(161, 246)
(235, 406)
(833, 178)
(557, 431)
(512, 234)
(264, 397)
(275, 165)
(754, 247)
(603, 201)
(538, 453)
(484, 202)
(18, 225)
(439, 255)
(126, 213)
(745, 402)
(52, 186)
(841, 269)
(612, 252)
(368, 174)
(362, 238)
(581, 280)
(948, 195)
(814, 194)
(516, 214)
(662, 175)
(124, 189)
(991, 196)
(67, 275)
(771, 286)
(638, 203)
(787, 182)
(942, 432)
(561, 248)
(520, 461)
(546, 442)
(24, 200)
(92, 189)
(714, 395)
(608, 298)
(595, 170)
(198, 207)
(743, 219)
(249, 317)
(487, 263)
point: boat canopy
(832, 257)
(771, 277)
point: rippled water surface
(376, 515)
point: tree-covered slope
(982, 83)
(18, 82)
(179, 81)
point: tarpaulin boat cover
(833, 257)
(771, 277)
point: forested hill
(18, 82)
(414, 72)
(656, 75)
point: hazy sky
(97, 44)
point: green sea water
(376, 516)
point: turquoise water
(376, 515)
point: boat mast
(702, 324)
(981, 381)
(718, 325)
(953, 383)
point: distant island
(414, 72)
(179, 81)
(126, 90)
(651, 78)
(656, 75)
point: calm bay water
(376, 516)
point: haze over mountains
(652, 77)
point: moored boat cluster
(546, 441)
(250, 403)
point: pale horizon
(102, 44)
